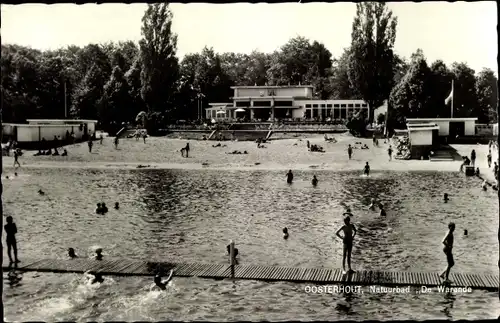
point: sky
(458, 31)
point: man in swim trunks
(448, 247)
(349, 234)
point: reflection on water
(190, 216)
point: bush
(357, 124)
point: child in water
(382, 211)
(349, 234)
(314, 181)
(98, 254)
(367, 169)
(285, 233)
(163, 284)
(448, 248)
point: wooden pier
(126, 267)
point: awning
(240, 110)
(221, 112)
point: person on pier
(448, 249)
(11, 231)
(348, 238)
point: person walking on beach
(11, 230)
(473, 157)
(448, 247)
(116, 142)
(389, 151)
(495, 170)
(90, 143)
(349, 151)
(16, 158)
(349, 233)
(101, 138)
(489, 158)
(144, 135)
(289, 177)
(187, 150)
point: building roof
(422, 126)
(439, 119)
(59, 120)
(261, 97)
(271, 86)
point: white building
(282, 102)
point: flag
(450, 97)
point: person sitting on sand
(163, 284)
(285, 233)
(217, 145)
(41, 192)
(65, 152)
(39, 153)
(349, 233)
(56, 152)
(71, 253)
(314, 181)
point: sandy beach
(164, 153)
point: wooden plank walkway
(126, 267)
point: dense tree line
(113, 82)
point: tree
(115, 104)
(487, 92)
(133, 78)
(341, 87)
(410, 98)
(465, 100)
(160, 66)
(440, 87)
(371, 68)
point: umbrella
(140, 115)
(240, 110)
(221, 112)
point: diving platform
(127, 267)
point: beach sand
(164, 153)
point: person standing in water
(163, 284)
(314, 181)
(349, 151)
(289, 177)
(367, 169)
(187, 150)
(448, 248)
(389, 151)
(445, 198)
(349, 233)
(11, 231)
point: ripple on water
(191, 216)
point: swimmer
(372, 205)
(98, 254)
(117, 205)
(382, 211)
(285, 233)
(367, 169)
(98, 210)
(163, 284)
(446, 199)
(289, 177)
(104, 208)
(314, 181)
(41, 192)
(97, 278)
(71, 253)
(465, 232)
(349, 234)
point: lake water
(187, 215)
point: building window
(328, 105)
(342, 105)
(357, 105)
(308, 105)
(242, 103)
(283, 103)
(336, 105)
(364, 105)
(315, 105)
(262, 103)
(323, 105)
(350, 105)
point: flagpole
(452, 95)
